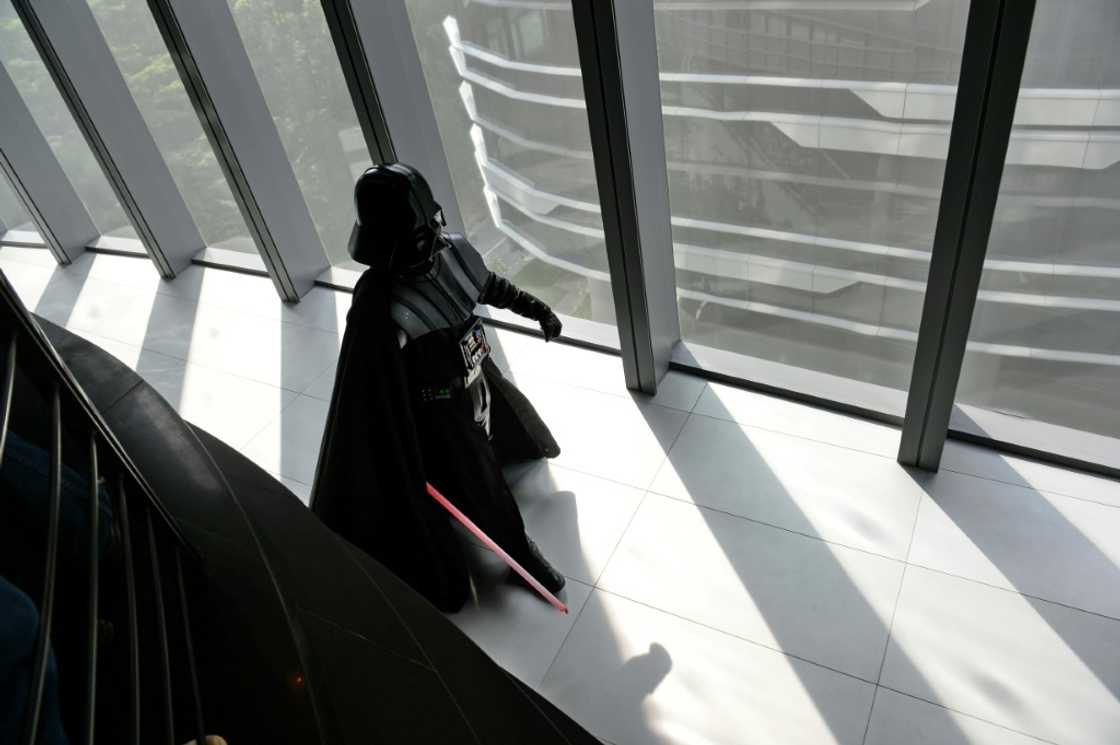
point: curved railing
(148, 552)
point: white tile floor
(742, 569)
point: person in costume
(417, 397)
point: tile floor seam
(77, 331)
(894, 612)
(627, 396)
(1035, 488)
(567, 634)
(196, 301)
(732, 635)
(940, 705)
(784, 529)
(621, 536)
(189, 361)
(482, 548)
(588, 472)
(706, 387)
(278, 418)
(594, 587)
(624, 396)
(311, 383)
(1013, 591)
(193, 305)
(870, 714)
(802, 437)
(667, 451)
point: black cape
(381, 445)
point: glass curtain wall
(504, 80)
(30, 75)
(292, 54)
(806, 147)
(12, 214)
(151, 76)
(1042, 368)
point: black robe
(381, 444)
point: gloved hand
(499, 292)
(550, 325)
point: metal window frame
(354, 61)
(617, 44)
(379, 59)
(991, 67)
(618, 60)
(38, 181)
(82, 66)
(206, 47)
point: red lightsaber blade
(490, 544)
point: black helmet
(398, 217)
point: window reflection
(505, 84)
(806, 147)
(1043, 361)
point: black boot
(538, 566)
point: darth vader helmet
(399, 220)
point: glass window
(1042, 367)
(151, 76)
(506, 88)
(294, 59)
(12, 214)
(30, 75)
(806, 149)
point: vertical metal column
(354, 61)
(618, 58)
(204, 42)
(78, 58)
(994, 52)
(39, 181)
(379, 37)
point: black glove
(499, 292)
(550, 325)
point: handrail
(37, 691)
(72, 416)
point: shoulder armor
(470, 260)
(445, 296)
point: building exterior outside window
(1043, 362)
(31, 77)
(506, 88)
(150, 74)
(290, 49)
(806, 146)
(12, 214)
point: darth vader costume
(418, 399)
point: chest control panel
(475, 349)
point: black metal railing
(131, 573)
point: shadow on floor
(990, 522)
(639, 675)
(792, 637)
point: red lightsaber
(490, 544)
